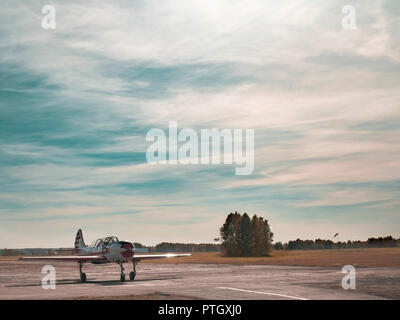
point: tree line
(239, 236)
(185, 247)
(380, 242)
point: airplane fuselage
(105, 250)
(115, 252)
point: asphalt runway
(22, 280)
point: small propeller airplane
(105, 250)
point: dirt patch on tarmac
(154, 296)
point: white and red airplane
(105, 250)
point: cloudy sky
(76, 104)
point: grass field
(379, 257)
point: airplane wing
(101, 258)
(66, 258)
(159, 256)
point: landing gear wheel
(83, 277)
(122, 277)
(132, 275)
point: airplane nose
(128, 252)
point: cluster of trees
(381, 242)
(242, 236)
(185, 247)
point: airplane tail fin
(79, 243)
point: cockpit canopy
(104, 241)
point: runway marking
(266, 293)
